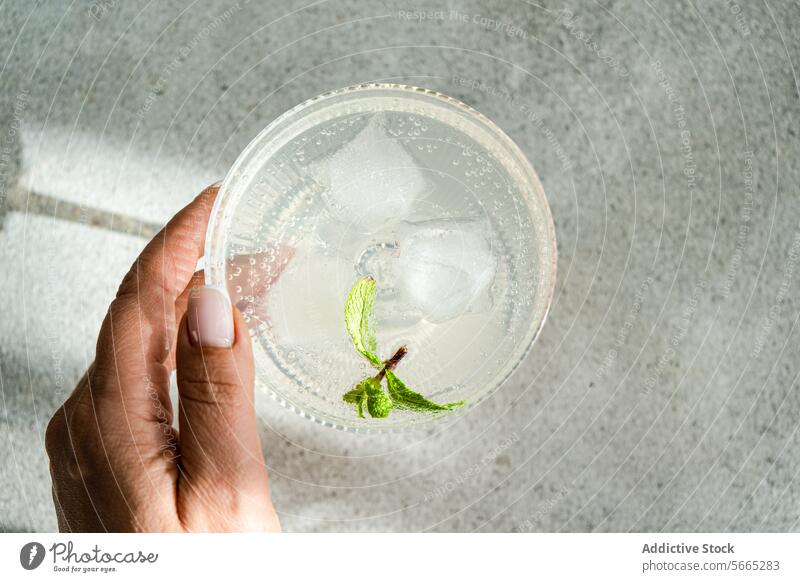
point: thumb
(223, 482)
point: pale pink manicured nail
(209, 318)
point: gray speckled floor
(662, 394)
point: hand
(116, 461)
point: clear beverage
(410, 187)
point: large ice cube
(372, 180)
(447, 268)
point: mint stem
(392, 362)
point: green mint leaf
(369, 393)
(359, 321)
(359, 396)
(405, 398)
(354, 395)
(362, 402)
(378, 402)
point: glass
(407, 185)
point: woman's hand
(116, 461)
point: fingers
(112, 443)
(197, 280)
(104, 480)
(253, 274)
(139, 329)
(222, 468)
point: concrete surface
(662, 394)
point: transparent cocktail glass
(415, 189)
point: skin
(116, 462)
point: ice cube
(447, 268)
(372, 180)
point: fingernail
(209, 317)
(216, 184)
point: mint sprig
(369, 392)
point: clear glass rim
(215, 269)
